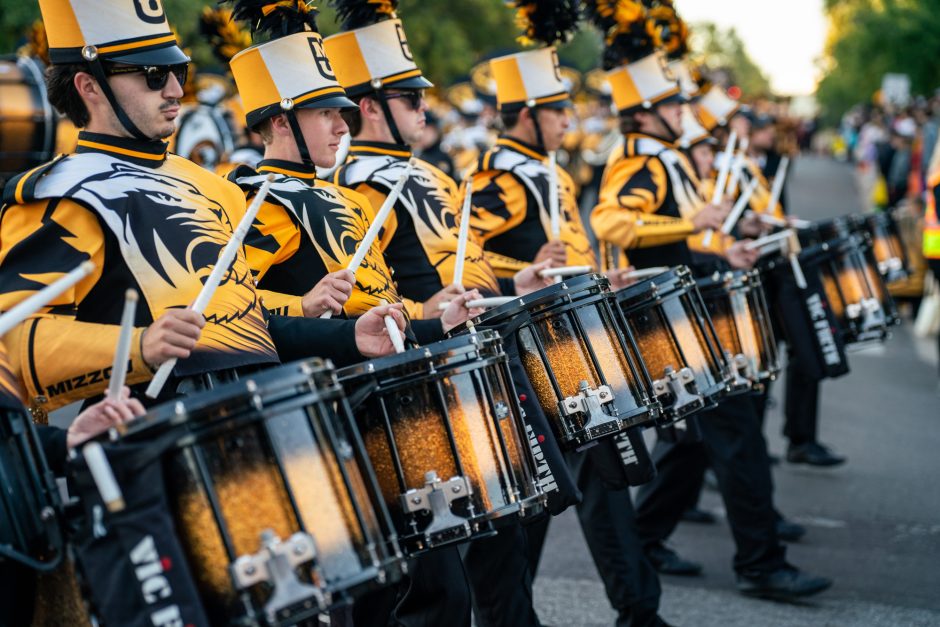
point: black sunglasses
(412, 98)
(156, 75)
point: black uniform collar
(366, 149)
(149, 153)
(307, 173)
(518, 145)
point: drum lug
(740, 368)
(681, 386)
(275, 564)
(588, 401)
(435, 497)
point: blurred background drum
(27, 120)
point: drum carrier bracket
(275, 564)
(588, 401)
(435, 497)
(681, 386)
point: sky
(783, 38)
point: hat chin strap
(539, 138)
(389, 118)
(299, 138)
(97, 70)
(672, 136)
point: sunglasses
(412, 98)
(156, 75)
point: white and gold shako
(642, 84)
(529, 79)
(374, 57)
(679, 69)
(715, 108)
(292, 72)
(693, 133)
(131, 32)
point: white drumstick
(644, 273)
(464, 232)
(393, 333)
(737, 168)
(553, 214)
(565, 271)
(767, 240)
(123, 351)
(23, 310)
(793, 242)
(721, 181)
(739, 207)
(103, 476)
(226, 258)
(483, 303)
(377, 223)
(777, 188)
(795, 223)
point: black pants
(801, 404)
(608, 523)
(732, 444)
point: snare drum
(676, 340)
(580, 357)
(29, 498)
(27, 120)
(887, 247)
(268, 478)
(443, 432)
(738, 310)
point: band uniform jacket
(148, 220)
(649, 194)
(511, 212)
(306, 229)
(419, 238)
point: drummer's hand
(457, 311)
(751, 225)
(739, 257)
(554, 250)
(710, 217)
(372, 338)
(432, 307)
(174, 334)
(329, 294)
(102, 416)
(529, 280)
(619, 277)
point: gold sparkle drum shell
(273, 460)
(580, 357)
(444, 434)
(27, 120)
(676, 341)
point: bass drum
(27, 120)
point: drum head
(545, 298)
(654, 288)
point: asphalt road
(874, 524)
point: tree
(723, 50)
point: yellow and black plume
(37, 45)
(671, 32)
(274, 18)
(628, 33)
(223, 33)
(354, 14)
(546, 21)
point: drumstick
(767, 240)
(123, 351)
(737, 168)
(795, 223)
(226, 258)
(23, 310)
(373, 231)
(393, 333)
(643, 273)
(554, 218)
(483, 303)
(739, 207)
(103, 476)
(794, 244)
(464, 232)
(777, 188)
(721, 181)
(565, 271)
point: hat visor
(673, 99)
(558, 104)
(169, 55)
(414, 82)
(330, 102)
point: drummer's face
(554, 124)
(153, 111)
(703, 156)
(323, 129)
(671, 113)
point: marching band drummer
(651, 177)
(511, 216)
(306, 231)
(17, 582)
(147, 219)
(373, 63)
